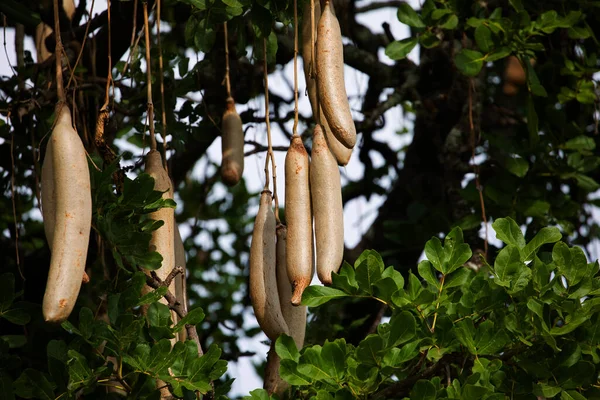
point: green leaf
(545, 390)
(80, 374)
(456, 252)
(33, 384)
(439, 13)
(193, 317)
(423, 390)
(571, 323)
(498, 54)
(414, 288)
(286, 348)
(395, 356)
(153, 296)
(14, 341)
(86, 322)
(457, 278)
(483, 38)
(509, 232)
(469, 62)
(516, 166)
(571, 263)
(402, 329)
(258, 394)
(314, 296)
(408, 16)
(532, 121)
(507, 265)
(369, 267)
(345, 279)
(17, 316)
(158, 315)
(544, 236)
(399, 49)
(474, 392)
(535, 87)
(288, 370)
(333, 358)
(572, 395)
(435, 254)
(204, 38)
(368, 350)
(490, 340)
(426, 272)
(451, 22)
(580, 143)
(465, 331)
(517, 5)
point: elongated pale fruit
(232, 164)
(298, 213)
(341, 153)
(163, 239)
(311, 84)
(330, 78)
(48, 195)
(273, 382)
(263, 278)
(70, 196)
(326, 193)
(295, 316)
(180, 280)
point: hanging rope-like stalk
(162, 86)
(58, 51)
(295, 128)
(270, 154)
(149, 80)
(227, 81)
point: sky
(358, 213)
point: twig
(87, 28)
(174, 272)
(155, 282)
(148, 79)
(259, 148)
(13, 194)
(134, 41)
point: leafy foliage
(527, 324)
(522, 321)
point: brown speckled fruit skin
(341, 153)
(298, 213)
(263, 275)
(232, 162)
(68, 214)
(330, 78)
(326, 192)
